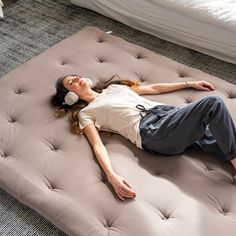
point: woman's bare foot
(234, 164)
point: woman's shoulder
(117, 87)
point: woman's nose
(77, 79)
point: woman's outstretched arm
(121, 186)
(158, 88)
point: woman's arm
(120, 185)
(159, 88)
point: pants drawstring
(143, 110)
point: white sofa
(205, 26)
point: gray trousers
(205, 124)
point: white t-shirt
(115, 110)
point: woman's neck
(90, 96)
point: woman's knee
(214, 100)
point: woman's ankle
(234, 163)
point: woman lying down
(116, 105)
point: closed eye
(70, 82)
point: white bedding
(205, 26)
(216, 12)
(1, 12)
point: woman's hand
(202, 85)
(121, 186)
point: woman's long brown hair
(58, 98)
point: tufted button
(139, 56)
(52, 144)
(4, 155)
(107, 224)
(188, 100)
(12, 120)
(100, 40)
(165, 216)
(140, 77)
(208, 169)
(100, 60)
(230, 95)
(224, 211)
(52, 186)
(54, 147)
(180, 75)
(19, 91)
(62, 63)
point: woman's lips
(81, 81)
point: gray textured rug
(31, 27)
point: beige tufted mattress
(54, 172)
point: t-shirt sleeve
(85, 119)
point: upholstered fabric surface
(54, 172)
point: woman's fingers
(122, 194)
(211, 86)
(129, 191)
(126, 194)
(120, 197)
(203, 85)
(127, 183)
(122, 188)
(204, 88)
(208, 85)
(129, 186)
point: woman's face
(77, 84)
